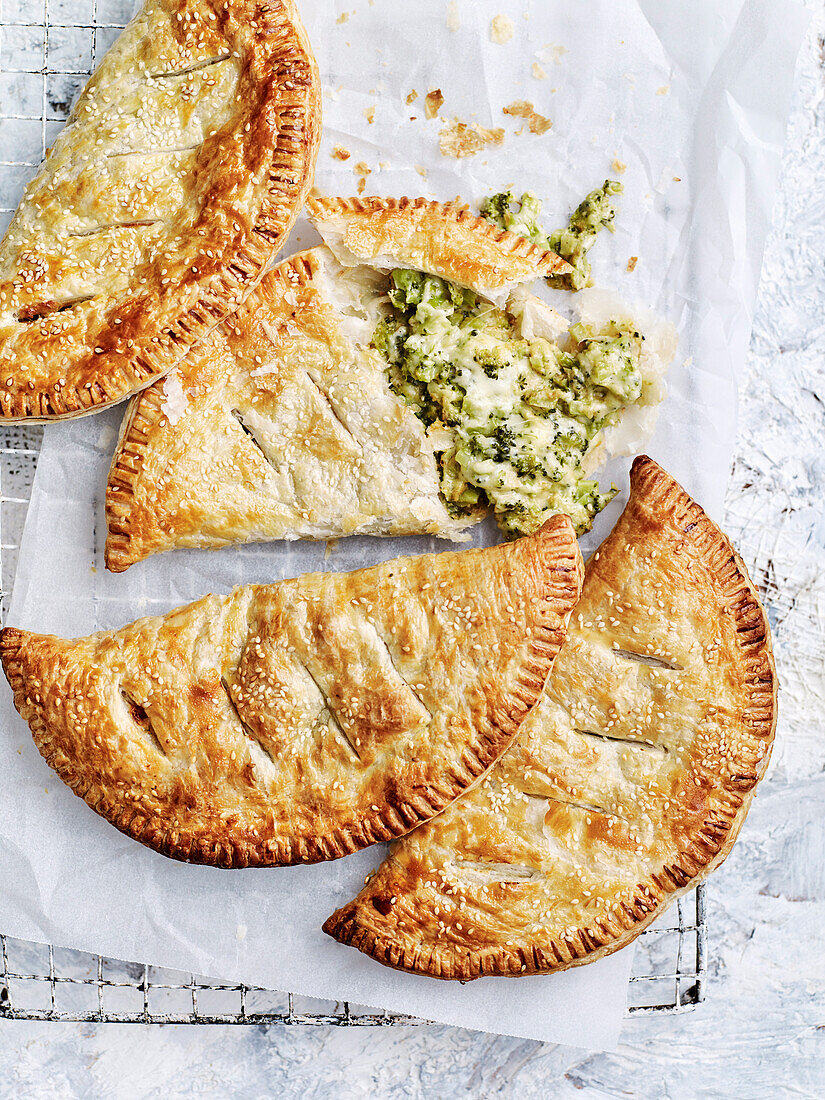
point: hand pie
(285, 421)
(300, 721)
(158, 207)
(626, 785)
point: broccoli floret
(521, 218)
(491, 360)
(596, 212)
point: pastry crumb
(677, 179)
(369, 114)
(538, 72)
(665, 88)
(461, 139)
(501, 29)
(344, 16)
(412, 97)
(618, 165)
(523, 108)
(453, 18)
(363, 170)
(433, 102)
(422, 171)
(331, 547)
(340, 153)
(631, 263)
(551, 50)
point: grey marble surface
(761, 1030)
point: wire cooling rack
(47, 50)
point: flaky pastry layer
(625, 786)
(303, 720)
(157, 209)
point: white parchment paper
(692, 99)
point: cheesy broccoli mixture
(520, 415)
(596, 212)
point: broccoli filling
(596, 212)
(521, 414)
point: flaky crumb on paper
(665, 88)
(344, 16)
(538, 72)
(631, 263)
(175, 402)
(453, 18)
(422, 171)
(523, 108)
(501, 29)
(618, 165)
(369, 114)
(412, 97)
(461, 139)
(340, 153)
(361, 169)
(433, 102)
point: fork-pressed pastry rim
(362, 922)
(156, 325)
(78, 733)
(444, 238)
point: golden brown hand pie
(625, 786)
(159, 205)
(282, 424)
(300, 721)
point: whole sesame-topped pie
(299, 721)
(373, 386)
(157, 209)
(625, 786)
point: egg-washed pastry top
(625, 786)
(300, 721)
(302, 416)
(157, 209)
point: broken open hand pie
(299, 721)
(286, 422)
(626, 785)
(157, 209)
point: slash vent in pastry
(284, 424)
(300, 721)
(626, 785)
(160, 204)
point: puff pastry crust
(287, 429)
(172, 186)
(625, 786)
(287, 426)
(440, 238)
(300, 721)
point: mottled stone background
(761, 1031)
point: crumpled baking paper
(686, 104)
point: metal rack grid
(47, 50)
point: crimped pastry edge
(291, 170)
(555, 543)
(145, 413)
(707, 851)
(320, 208)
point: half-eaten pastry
(400, 380)
(160, 204)
(626, 785)
(300, 721)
